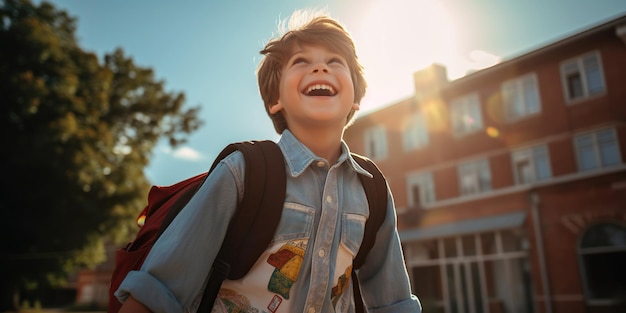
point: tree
(78, 133)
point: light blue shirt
(321, 229)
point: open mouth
(320, 90)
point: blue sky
(209, 50)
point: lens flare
(436, 115)
(492, 132)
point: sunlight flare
(396, 38)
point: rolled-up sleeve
(383, 278)
(175, 271)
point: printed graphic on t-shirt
(230, 301)
(342, 284)
(287, 262)
(275, 303)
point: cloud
(482, 59)
(187, 153)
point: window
(531, 165)
(376, 142)
(597, 150)
(421, 190)
(466, 115)
(582, 77)
(476, 272)
(602, 253)
(521, 97)
(475, 177)
(416, 133)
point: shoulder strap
(376, 192)
(247, 148)
(258, 211)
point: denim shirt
(307, 266)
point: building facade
(510, 182)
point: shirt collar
(298, 157)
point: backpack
(265, 186)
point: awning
(504, 221)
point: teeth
(320, 87)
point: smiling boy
(311, 84)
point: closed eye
(336, 60)
(298, 60)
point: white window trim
(476, 167)
(417, 124)
(528, 152)
(596, 149)
(378, 135)
(579, 59)
(517, 83)
(426, 184)
(464, 105)
(512, 265)
(585, 276)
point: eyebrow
(331, 52)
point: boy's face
(316, 88)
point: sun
(396, 38)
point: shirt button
(321, 253)
(329, 199)
(311, 310)
(320, 163)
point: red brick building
(92, 285)
(510, 183)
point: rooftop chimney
(429, 81)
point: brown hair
(320, 29)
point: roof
(471, 226)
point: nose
(319, 67)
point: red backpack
(265, 186)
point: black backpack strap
(259, 210)
(376, 192)
(189, 193)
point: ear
(356, 106)
(276, 108)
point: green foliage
(78, 134)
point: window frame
(469, 272)
(533, 155)
(426, 186)
(415, 134)
(475, 170)
(582, 70)
(466, 106)
(597, 147)
(516, 89)
(376, 136)
(583, 252)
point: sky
(209, 50)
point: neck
(324, 143)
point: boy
(311, 84)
